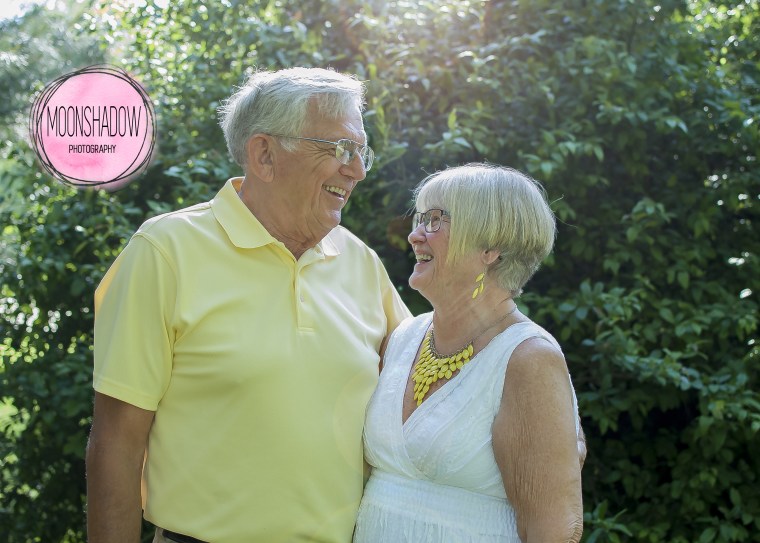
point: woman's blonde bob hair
(493, 208)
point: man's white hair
(278, 103)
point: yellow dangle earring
(479, 280)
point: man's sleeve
(394, 307)
(134, 337)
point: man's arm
(115, 455)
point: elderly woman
(472, 432)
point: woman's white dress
(434, 478)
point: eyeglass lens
(346, 150)
(431, 219)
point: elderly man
(237, 341)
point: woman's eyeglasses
(431, 218)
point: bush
(641, 120)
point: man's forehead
(347, 125)
(343, 130)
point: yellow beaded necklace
(432, 366)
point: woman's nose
(417, 235)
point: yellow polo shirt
(259, 368)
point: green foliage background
(639, 117)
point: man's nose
(354, 169)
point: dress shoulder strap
(513, 336)
(403, 334)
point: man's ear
(260, 154)
(489, 256)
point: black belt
(179, 538)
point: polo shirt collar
(327, 246)
(244, 229)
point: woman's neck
(456, 324)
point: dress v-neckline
(437, 395)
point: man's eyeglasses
(431, 218)
(345, 150)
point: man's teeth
(424, 258)
(337, 190)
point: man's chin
(334, 219)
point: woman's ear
(489, 256)
(260, 155)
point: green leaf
(599, 152)
(463, 142)
(452, 120)
(708, 535)
(736, 498)
(667, 315)
(683, 279)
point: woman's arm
(536, 445)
